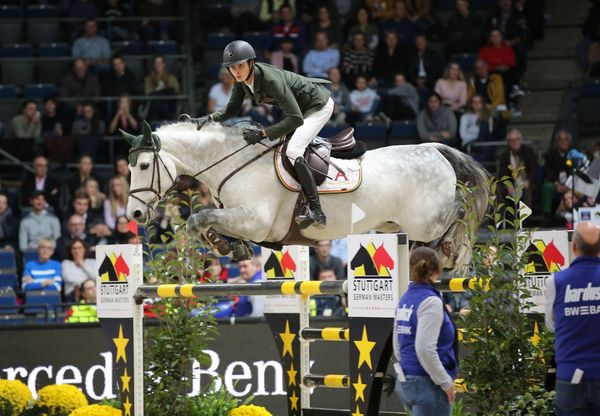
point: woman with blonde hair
(452, 87)
(476, 123)
(425, 341)
(116, 204)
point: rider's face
(240, 71)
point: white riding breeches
(308, 131)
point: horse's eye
(144, 166)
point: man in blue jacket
(573, 312)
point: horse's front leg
(234, 222)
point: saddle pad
(340, 182)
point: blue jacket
(577, 319)
(407, 330)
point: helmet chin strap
(251, 63)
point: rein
(158, 194)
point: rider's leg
(295, 152)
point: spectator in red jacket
(501, 59)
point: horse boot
(241, 250)
(315, 215)
(216, 242)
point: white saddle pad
(347, 180)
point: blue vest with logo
(577, 319)
(406, 327)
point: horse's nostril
(137, 213)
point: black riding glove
(252, 136)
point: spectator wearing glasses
(75, 230)
(77, 268)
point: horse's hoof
(241, 251)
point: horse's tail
(471, 174)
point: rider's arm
(292, 116)
(233, 107)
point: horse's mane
(185, 131)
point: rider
(306, 105)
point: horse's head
(152, 174)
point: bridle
(158, 194)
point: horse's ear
(156, 141)
(129, 137)
(146, 133)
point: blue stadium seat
(54, 49)
(212, 72)
(466, 61)
(7, 299)
(41, 297)
(162, 47)
(373, 134)
(260, 40)
(17, 71)
(330, 131)
(403, 132)
(128, 48)
(40, 90)
(590, 89)
(484, 5)
(218, 40)
(52, 70)
(30, 255)
(9, 11)
(8, 261)
(446, 5)
(41, 11)
(8, 280)
(10, 31)
(8, 91)
(233, 270)
(17, 50)
(42, 31)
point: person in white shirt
(364, 100)
(77, 269)
(220, 93)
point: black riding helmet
(237, 52)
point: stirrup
(310, 218)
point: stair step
(545, 53)
(560, 37)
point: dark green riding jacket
(297, 96)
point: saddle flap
(344, 140)
(316, 155)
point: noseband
(158, 193)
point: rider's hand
(252, 136)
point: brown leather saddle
(343, 145)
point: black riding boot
(315, 215)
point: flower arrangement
(96, 410)
(250, 410)
(60, 399)
(14, 396)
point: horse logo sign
(117, 264)
(280, 265)
(374, 260)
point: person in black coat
(119, 80)
(389, 60)
(522, 158)
(555, 172)
(425, 66)
(40, 180)
(8, 224)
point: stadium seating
(8, 280)
(8, 261)
(8, 298)
(373, 134)
(42, 31)
(403, 132)
(40, 90)
(50, 69)
(41, 297)
(17, 71)
(11, 31)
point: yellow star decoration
(127, 406)
(294, 401)
(121, 343)
(287, 337)
(360, 389)
(292, 376)
(357, 413)
(365, 347)
(125, 379)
